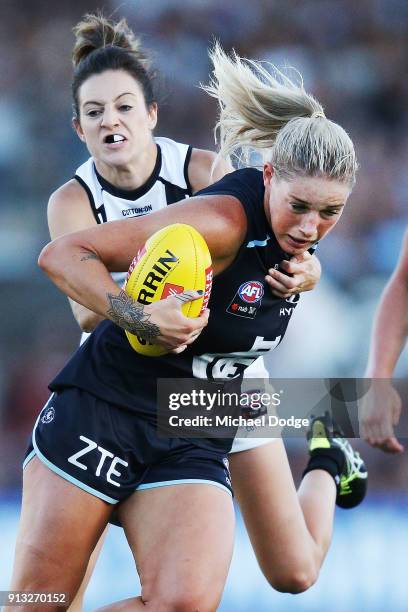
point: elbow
(88, 322)
(294, 581)
(86, 328)
(47, 259)
(53, 260)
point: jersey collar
(132, 194)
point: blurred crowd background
(353, 57)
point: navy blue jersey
(246, 320)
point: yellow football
(174, 259)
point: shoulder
(222, 221)
(172, 162)
(70, 195)
(245, 184)
(69, 209)
(200, 169)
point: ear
(268, 173)
(152, 111)
(77, 127)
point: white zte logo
(105, 455)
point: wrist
(378, 372)
(379, 368)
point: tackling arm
(69, 211)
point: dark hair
(102, 44)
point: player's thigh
(59, 527)
(182, 540)
(77, 603)
(264, 488)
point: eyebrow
(300, 201)
(127, 93)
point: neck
(266, 207)
(133, 175)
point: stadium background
(353, 57)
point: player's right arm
(69, 211)
(381, 409)
(79, 264)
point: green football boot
(352, 482)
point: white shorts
(256, 370)
(244, 444)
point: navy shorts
(110, 452)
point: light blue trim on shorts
(66, 476)
(28, 459)
(168, 483)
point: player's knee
(190, 601)
(296, 583)
(186, 598)
(295, 579)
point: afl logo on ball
(48, 415)
(251, 291)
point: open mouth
(114, 138)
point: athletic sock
(330, 460)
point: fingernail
(200, 291)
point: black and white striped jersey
(167, 184)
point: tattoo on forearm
(87, 255)
(130, 315)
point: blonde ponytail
(266, 110)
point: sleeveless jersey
(167, 184)
(246, 321)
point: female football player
(160, 172)
(97, 431)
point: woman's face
(303, 210)
(113, 119)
